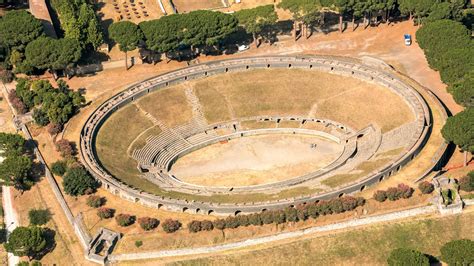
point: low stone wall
(345, 67)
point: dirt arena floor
(256, 160)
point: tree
(254, 20)
(170, 226)
(11, 144)
(26, 241)
(305, 12)
(404, 256)
(18, 28)
(124, 219)
(52, 54)
(459, 129)
(194, 226)
(458, 252)
(78, 181)
(127, 34)
(59, 168)
(40, 117)
(439, 37)
(95, 201)
(463, 90)
(64, 147)
(105, 213)
(39, 217)
(15, 170)
(148, 223)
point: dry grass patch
(185, 6)
(214, 104)
(361, 170)
(365, 105)
(251, 124)
(289, 124)
(168, 105)
(140, 140)
(113, 141)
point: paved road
(11, 220)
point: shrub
(255, 219)
(243, 220)
(267, 217)
(64, 147)
(291, 214)
(6, 76)
(426, 187)
(336, 205)
(380, 195)
(349, 203)
(302, 213)
(16, 102)
(138, 243)
(77, 181)
(467, 183)
(194, 226)
(105, 213)
(404, 191)
(458, 252)
(360, 201)
(279, 217)
(54, 129)
(59, 168)
(95, 201)
(170, 226)
(403, 256)
(231, 222)
(393, 193)
(39, 217)
(219, 224)
(148, 223)
(124, 219)
(207, 225)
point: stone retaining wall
(345, 67)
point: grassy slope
(347, 249)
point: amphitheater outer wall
(340, 66)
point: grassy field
(168, 105)
(185, 6)
(346, 248)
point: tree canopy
(77, 181)
(26, 241)
(127, 34)
(52, 54)
(404, 256)
(458, 252)
(254, 20)
(79, 22)
(11, 144)
(194, 29)
(463, 90)
(459, 129)
(18, 28)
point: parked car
(407, 38)
(242, 47)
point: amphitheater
(252, 134)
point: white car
(242, 47)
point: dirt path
(11, 220)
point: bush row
(300, 213)
(401, 191)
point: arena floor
(256, 160)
